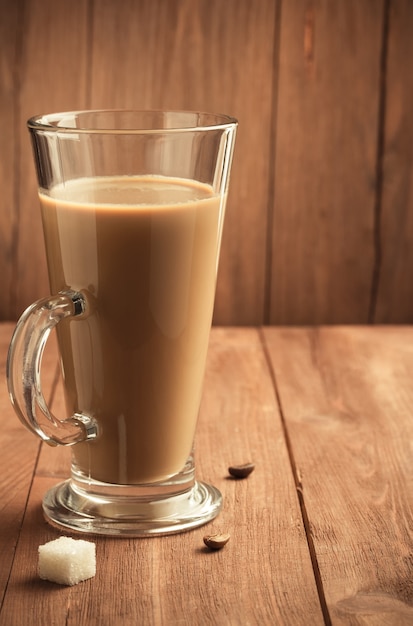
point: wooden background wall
(319, 226)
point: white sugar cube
(67, 561)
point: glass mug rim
(147, 121)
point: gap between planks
(299, 487)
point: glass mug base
(127, 511)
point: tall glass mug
(132, 206)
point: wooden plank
(264, 574)
(10, 37)
(18, 459)
(395, 293)
(18, 451)
(207, 55)
(325, 162)
(346, 397)
(54, 65)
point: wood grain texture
(150, 54)
(323, 412)
(18, 459)
(395, 289)
(53, 69)
(203, 55)
(346, 399)
(319, 224)
(10, 66)
(263, 576)
(325, 162)
(15, 441)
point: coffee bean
(217, 541)
(241, 471)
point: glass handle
(24, 367)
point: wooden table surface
(321, 531)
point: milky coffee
(143, 251)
